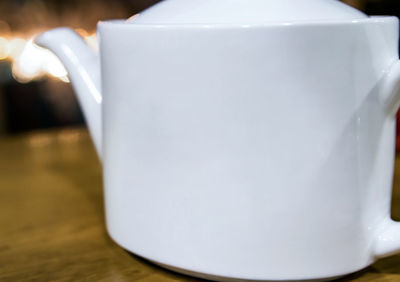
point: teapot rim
(371, 19)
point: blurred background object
(35, 92)
(358, 4)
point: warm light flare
(31, 62)
(91, 40)
(4, 49)
(16, 46)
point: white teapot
(244, 139)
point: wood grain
(52, 218)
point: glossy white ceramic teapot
(244, 139)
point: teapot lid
(245, 12)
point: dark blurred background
(34, 89)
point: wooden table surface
(52, 218)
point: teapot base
(230, 279)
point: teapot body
(248, 152)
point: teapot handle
(388, 240)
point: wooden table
(52, 218)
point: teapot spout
(83, 66)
